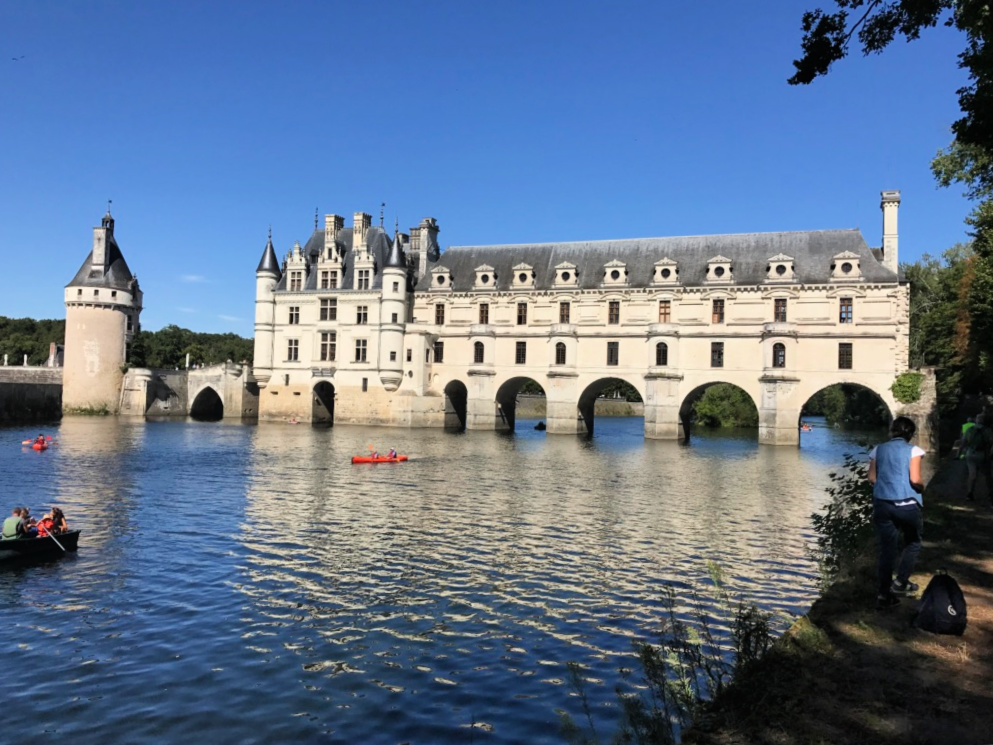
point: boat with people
(39, 546)
(379, 459)
(41, 442)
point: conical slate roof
(396, 258)
(269, 263)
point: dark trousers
(892, 521)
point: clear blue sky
(508, 121)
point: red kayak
(381, 459)
(40, 446)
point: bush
(725, 405)
(907, 387)
(846, 523)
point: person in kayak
(393, 453)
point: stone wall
(924, 412)
(30, 394)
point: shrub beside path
(849, 673)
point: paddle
(52, 536)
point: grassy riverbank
(849, 673)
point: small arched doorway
(614, 393)
(718, 406)
(207, 406)
(323, 407)
(524, 391)
(456, 403)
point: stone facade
(103, 305)
(356, 327)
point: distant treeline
(167, 347)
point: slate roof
(269, 262)
(379, 245)
(117, 277)
(749, 252)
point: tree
(725, 405)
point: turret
(393, 316)
(103, 305)
(267, 276)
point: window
(718, 314)
(845, 310)
(439, 314)
(560, 353)
(365, 385)
(396, 287)
(294, 314)
(360, 350)
(292, 350)
(363, 283)
(779, 315)
(325, 280)
(296, 280)
(522, 353)
(410, 355)
(439, 351)
(665, 311)
(113, 293)
(78, 293)
(333, 281)
(845, 356)
(522, 314)
(613, 352)
(329, 309)
(362, 314)
(130, 323)
(779, 355)
(478, 353)
(614, 311)
(661, 354)
(484, 312)
(717, 354)
(328, 346)
(393, 356)
(96, 293)
(564, 313)
(395, 318)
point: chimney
(99, 259)
(890, 205)
(360, 226)
(333, 225)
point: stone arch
(587, 399)
(207, 406)
(869, 417)
(686, 407)
(323, 404)
(506, 397)
(456, 405)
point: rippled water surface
(245, 584)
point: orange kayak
(381, 459)
(39, 446)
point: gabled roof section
(813, 251)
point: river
(245, 584)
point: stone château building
(357, 327)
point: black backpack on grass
(942, 606)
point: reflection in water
(235, 580)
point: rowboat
(381, 459)
(16, 548)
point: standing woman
(897, 508)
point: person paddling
(14, 526)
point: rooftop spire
(382, 207)
(396, 257)
(269, 262)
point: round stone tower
(394, 316)
(103, 305)
(267, 276)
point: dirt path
(849, 673)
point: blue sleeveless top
(893, 471)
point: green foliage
(691, 665)
(26, 336)
(846, 522)
(725, 405)
(620, 389)
(907, 387)
(531, 388)
(847, 405)
(101, 410)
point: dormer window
(565, 275)
(780, 269)
(846, 266)
(666, 272)
(523, 277)
(485, 277)
(441, 279)
(615, 274)
(720, 270)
